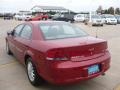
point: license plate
(93, 69)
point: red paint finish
(78, 55)
(38, 17)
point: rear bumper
(68, 72)
(97, 23)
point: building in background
(24, 12)
(49, 9)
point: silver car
(96, 20)
(118, 18)
(109, 19)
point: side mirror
(11, 33)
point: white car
(22, 16)
(109, 19)
(96, 20)
(79, 18)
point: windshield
(56, 15)
(60, 30)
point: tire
(32, 74)
(43, 19)
(8, 49)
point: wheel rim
(30, 70)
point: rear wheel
(44, 19)
(32, 73)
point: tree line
(110, 10)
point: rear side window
(18, 30)
(26, 32)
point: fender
(29, 53)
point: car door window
(18, 30)
(26, 32)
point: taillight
(56, 55)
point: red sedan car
(38, 17)
(57, 52)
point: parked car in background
(17, 16)
(64, 17)
(34, 18)
(118, 18)
(27, 17)
(79, 18)
(109, 19)
(8, 16)
(22, 16)
(38, 17)
(57, 52)
(1, 14)
(49, 16)
(96, 20)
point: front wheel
(8, 49)
(32, 73)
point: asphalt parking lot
(13, 74)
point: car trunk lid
(80, 49)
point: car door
(11, 39)
(23, 42)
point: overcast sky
(75, 5)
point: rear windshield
(60, 30)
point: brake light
(56, 55)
